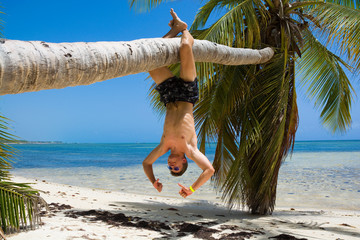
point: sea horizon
(65, 142)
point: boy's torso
(179, 127)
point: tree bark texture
(27, 66)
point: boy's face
(175, 163)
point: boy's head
(177, 164)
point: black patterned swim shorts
(176, 89)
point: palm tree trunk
(33, 66)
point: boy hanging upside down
(179, 95)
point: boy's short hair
(178, 174)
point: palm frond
(204, 13)
(322, 73)
(19, 203)
(238, 27)
(7, 152)
(19, 206)
(355, 4)
(267, 131)
(341, 25)
(300, 5)
(146, 5)
(154, 97)
(212, 117)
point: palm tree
(32, 66)
(251, 110)
(19, 203)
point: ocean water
(317, 174)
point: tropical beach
(183, 119)
(317, 197)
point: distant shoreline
(36, 142)
(61, 142)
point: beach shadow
(344, 232)
(190, 211)
(208, 220)
(215, 216)
(199, 219)
(281, 218)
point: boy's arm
(208, 170)
(147, 165)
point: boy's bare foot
(176, 24)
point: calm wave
(124, 154)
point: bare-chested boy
(179, 95)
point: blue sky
(116, 110)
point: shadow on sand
(206, 220)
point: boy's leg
(187, 62)
(161, 74)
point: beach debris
(229, 227)
(198, 230)
(347, 225)
(208, 223)
(61, 193)
(172, 209)
(243, 233)
(117, 219)
(237, 236)
(201, 230)
(287, 237)
(188, 227)
(56, 207)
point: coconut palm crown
(251, 111)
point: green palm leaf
(265, 137)
(7, 152)
(347, 3)
(238, 27)
(212, 118)
(19, 203)
(322, 73)
(20, 206)
(146, 5)
(341, 25)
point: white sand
(301, 223)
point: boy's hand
(158, 185)
(184, 191)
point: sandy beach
(86, 213)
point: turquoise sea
(318, 173)
(127, 154)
